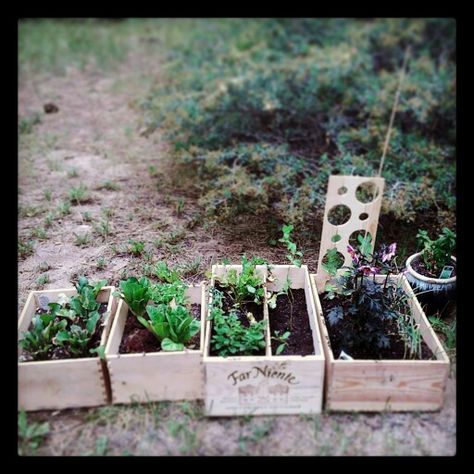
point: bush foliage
(261, 111)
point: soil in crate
(291, 314)
(59, 353)
(137, 339)
(419, 266)
(395, 350)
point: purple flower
(390, 253)
(367, 270)
(352, 253)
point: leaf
(251, 289)
(100, 351)
(169, 346)
(280, 348)
(335, 315)
(92, 321)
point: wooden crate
(155, 376)
(260, 385)
(385, 385)
(68, 383)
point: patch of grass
(102, 227)
(109, 186)
(52, 45)
(26, 124)
(29, 211)
(447, 330)
(39, 233)
(43, 267)
(191, 268)
(49, 219)
(101, 263)
(25, 248)
(54, 165)
(261, 112)
(86, 216)
(258, 433)
(42, 280)
(47, 194)
(72, 173)
(79, 194)
(30, 435)
(136, 247)
(63, 209)
(108, 212)
(82, 240)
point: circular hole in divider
(364, 216)
(342, 190)
(367, 192)
(337, 259)
(336, 238)
(354, 238)
(339, 214)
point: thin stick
(390, 125)
(394, 110)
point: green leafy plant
(294, 255)
(30, 435)
(436, 253)
(78, 194)
(447, 329)
(136, 247)
(70, 323)
(172, 325)
(246, 286)
(166, 274)
(136, 293)
(230, 336)
(333, 261)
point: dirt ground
(96, 139)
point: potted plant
(381, 352)
(61, 339)
(155, 346)
(432, 271)
(263, 352)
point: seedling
(39, 233)
(30, 435)
(136, 293)
(78, 194)
(436, 254)
(136, 247)
(81, 240)
(72, 173)
(42, 280)
(109, 186)
(283, 340)
(47, 194)
(64, 208)
(25, 248)
(101, 263)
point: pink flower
(367, 270)
(353, 254)
(392, 248)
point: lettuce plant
(136, 293)
(172, 325)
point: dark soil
(292, 316)
(419, 266)
(396, 347)
(137, 339)
(61, 352)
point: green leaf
(100, 351)
(92, 321)
(280, 348)
(169, 346)
(251, 289)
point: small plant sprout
(86, 216)
(39, 233)
(30, 435)
(294, 255)
(101, 263)
(47, 194)
(25, 248)
(78, 194)
(283, 340)
(42, 280)
(109, 186)
(179, 207)
(82, 240)
(63, 209)
(72, 173)
(102, 227)
(136, 247)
